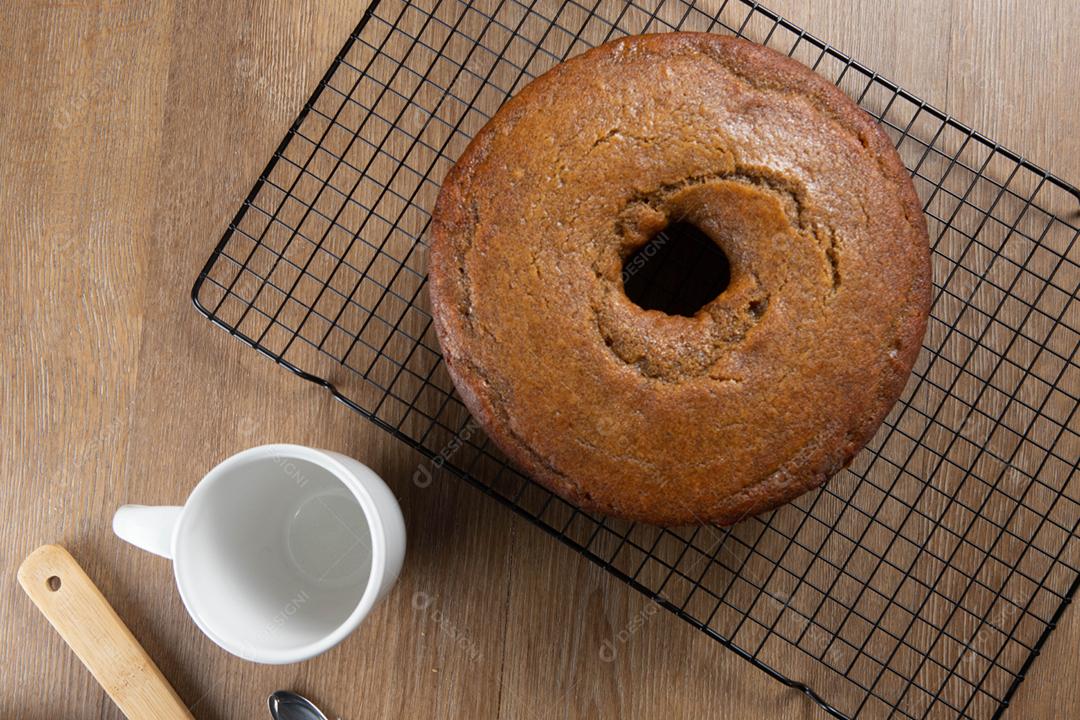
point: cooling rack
(920, 582)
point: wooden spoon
(83, 617)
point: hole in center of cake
(678, 271)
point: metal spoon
(285, 705)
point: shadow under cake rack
(920, 582)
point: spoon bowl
(285, 705)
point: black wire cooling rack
(918, 583)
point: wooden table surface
(130, 133)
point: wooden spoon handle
(83, 617)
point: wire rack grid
(920, 582)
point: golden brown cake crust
(771, 387)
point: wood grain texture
(90, 626)
(130, 134)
